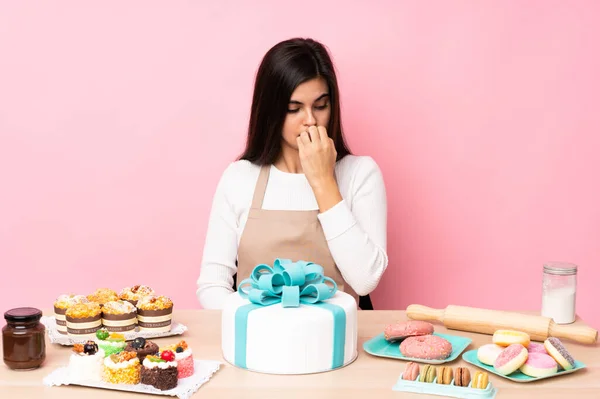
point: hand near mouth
(317, 156)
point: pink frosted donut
(426, 347)
(511, 359)
(536, 348)
(539, 365)
(401, 330)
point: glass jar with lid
(559, 292)
(23, 339)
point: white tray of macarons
(512, 355)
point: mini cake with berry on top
(185, 360)
(62, 303)
(110, 342)
(142, 347)
(155, 313)
(135, 293)
(160, 371)
(119, 316)
(85, 363)
(122, 368)
(83, 319)
(103, 295)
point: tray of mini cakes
(109, 362)
(514, 356)
(137, 311)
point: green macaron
(427, 374)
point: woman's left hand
(317, 156)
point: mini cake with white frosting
(122, 368)
(185, 360)
(85, 363)
(160, 371)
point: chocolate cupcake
(119, 316)
(83, 319)
(142, 347)
(155, 313)
(62, 303)
(135, 293)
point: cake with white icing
(85, 363)
(160, 371)
(185, 360)
(289, 319)
(122, 368)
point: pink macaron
(404, 329)
(535, 347)
(426, 347)
(511, 359)
(539, 365)
(411, 372)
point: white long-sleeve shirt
(355, 228)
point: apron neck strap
(261, 187)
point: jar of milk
(559, 290)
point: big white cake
(290, 340)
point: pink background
(116, 122)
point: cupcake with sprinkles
(122, 368)
(119, 316)
(183, 355)
(83, 319)
(62, 303)
(155, 313)
(160, 371)
(135, 293)
(110, 342)
(103, 295)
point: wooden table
(367, 377)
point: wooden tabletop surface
(368, 376)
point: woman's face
(308, 106)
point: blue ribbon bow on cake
(289, 284)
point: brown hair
(285, 66)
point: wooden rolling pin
(487, 321)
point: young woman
(296, 192)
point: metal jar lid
(560, 268)
(23, 315)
